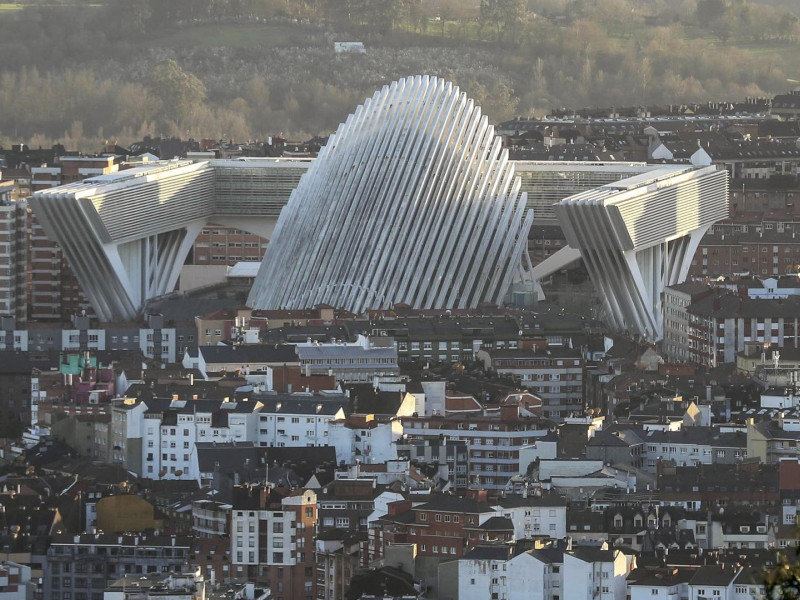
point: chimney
(509, 412)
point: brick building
(54, 291)
(444, 527)
(772, 252)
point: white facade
(702, 591)
(167, 448)
(372, 222)
(663, 591)
(374, 444)
(15, 581)
(295, 429)
(280, 527)
(600, 580)
(127, 234)
(536, 519)
(639, 235)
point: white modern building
(638, 235)
(413, 200)
(126, 234)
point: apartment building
(774, 439)
(761, 253)
(555, 374)
(495, 443)
(595, 573)
(356, 362)
(287, 420)
(447, 338)
(676, 320)
(13, 253)
(273, 542)
(87, 564)
(721, 324)
(171, 428)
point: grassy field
(7, 7)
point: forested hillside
(83, 71)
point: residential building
(348, 362)
(447, 337)
(720, 325)
(274, 542)
(346, 504)
(534, 516)
(247, 359)
(595, 573)
(664, 584)
(676, 319)
(771, 440)
(171, 428)
(691, 446)
(366, 438)
(210, 518)
(127, 419)
(495, 443)
(86, 564)
(338, 560)
(451, 456)
(297, 420)
(13, 253)
(554, 374)
(15, 581)
(714, 581)
(769, 252)
(164, 586)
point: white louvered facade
(638, 235)
(126, 235)
(413, 201)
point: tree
(783, 582)
(178, 90)
(709, 11)
(502, 14)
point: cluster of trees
(738, 19)
(61, 79)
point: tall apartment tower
(54, 293)
(13, 253)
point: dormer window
(637, 521)
(744, 529)
(618, 521)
